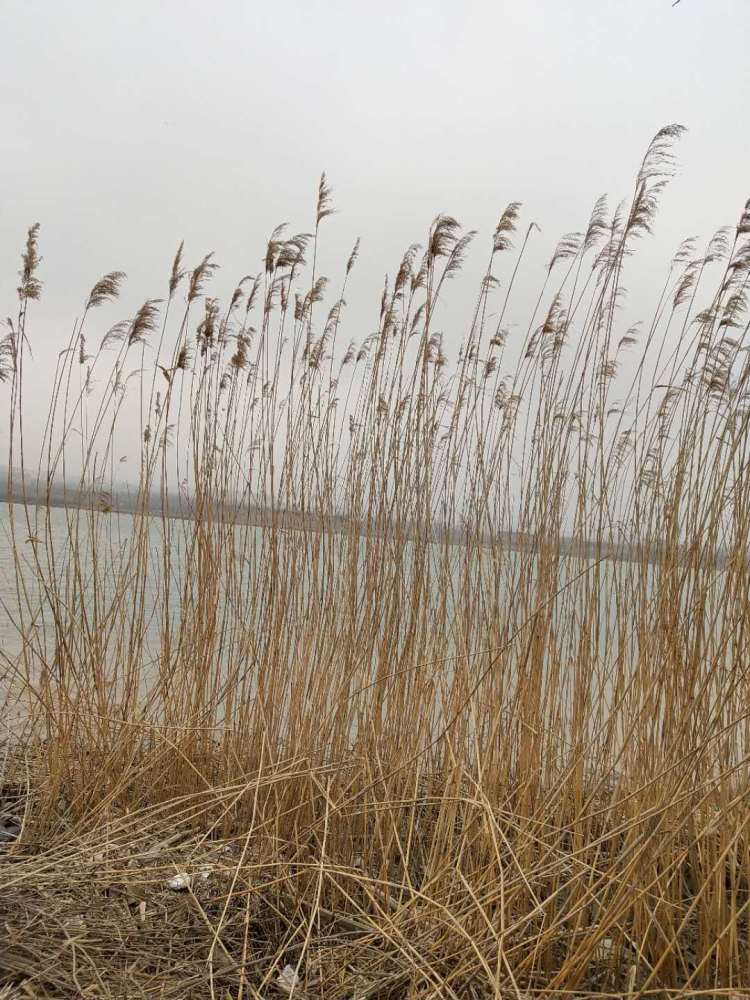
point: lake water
(143, 605)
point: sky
(129, 127)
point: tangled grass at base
(437, 666)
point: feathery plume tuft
(207, 326)
(144, 322)
(184, 357)
(406, 269)
(200, 275)
(629, 338)
(457, 255)
(7, 356)
(568, 247)
(31, 286)
(352, 257)
(116, 333)
(314, 295)
(106, 289)
(719, 246)
(274, 246)
(685, 251)
(686, 283)
(291, 252)
(252, 295)
(505, 227)
(325, 205)
(659, 159)
(656, 169)
(349, 354)
(597, 227)
(443, 236)
(239, 358)
(178, 272)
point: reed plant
(439, 663)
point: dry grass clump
(433, 666)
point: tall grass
(452, 650)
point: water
(148, 605)
(468, 599)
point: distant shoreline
(339, 524)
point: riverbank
(193, 897)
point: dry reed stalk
(450, 654)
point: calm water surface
(106, 543)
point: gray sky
(127, 127)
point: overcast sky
(128, 127)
